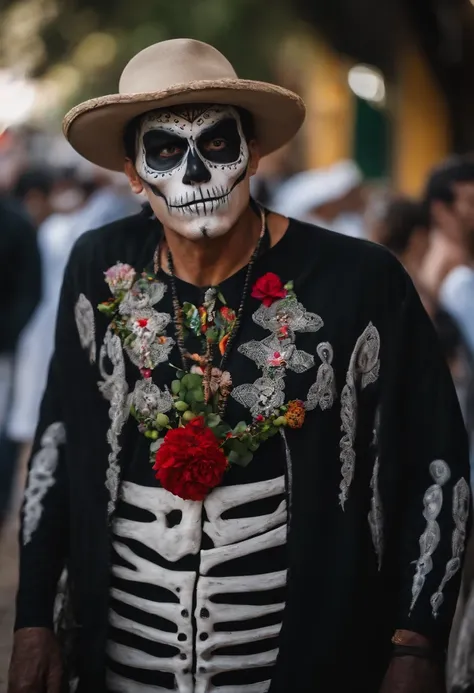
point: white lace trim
(375, 516)
(84, 315)
(41, 478)
(364, 367)
(114, 387)
(429, 540)
(461, 496)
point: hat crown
(176, 61)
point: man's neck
(208, 262)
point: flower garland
(191, 444)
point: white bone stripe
(195, 635)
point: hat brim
(96, 127)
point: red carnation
(269, 289)
(189, 462)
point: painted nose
(196, 171)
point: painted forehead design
(186, 121)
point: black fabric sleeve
(44, 532)
(424, 448)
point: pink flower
(277, 360)
(120, 277)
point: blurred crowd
(48, 200)
(44, 208)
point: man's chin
(199, 229)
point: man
(250, 457)
(449, 272)
(33, 189)
(20, 289)
(402, 225)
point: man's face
(194, 162)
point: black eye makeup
(163, 150)
(221, 142)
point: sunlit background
(386, 83)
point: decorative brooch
(191, 444)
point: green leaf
(189, 397)
(240, 427)
(212, 335)
(233, 457)
(246, 459)
(237, 446)
(254, 445)
(192, 381)
(221, 430)
(176, 387)
(241, 460)
(198, 395)
(213, 420)
(221, 298)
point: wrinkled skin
(35, 665)
(413, 675)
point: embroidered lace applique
(272, 351)
(289, 312)
(41, 478)
(461, 496)
(114, 387)
(364, 367)
(146, 324)
(263, 396)
(138, 299)
(149, 400)
(323, 392)
(84, 315)
(429, 540)
(376, 509)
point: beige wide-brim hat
(171, 73)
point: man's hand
(35, 665)
(413, 675)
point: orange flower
(295, 414)
(203, 316)
(223, 344)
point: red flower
(228, 314)
(142, 322)
(269, 289)
(189, 462)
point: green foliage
(246, 31)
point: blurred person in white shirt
(332, 197)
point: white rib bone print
(197, 643)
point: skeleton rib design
(198, 589)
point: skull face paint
(195, 160)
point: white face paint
(195, 160)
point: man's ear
(254, 157)
(134, 179)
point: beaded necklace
(178, 318)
